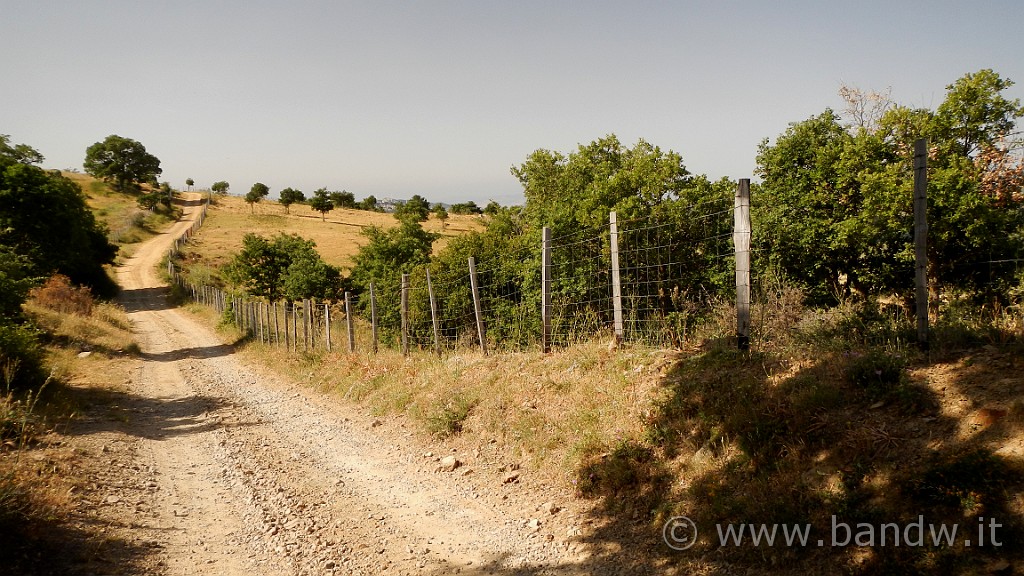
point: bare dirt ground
(207, 465)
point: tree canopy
(321, 202)
(835, 208)
(343, 199)
(416, 208)
(258, 192)
(44, 218)
(286, 266)
(123, 162)
(220, 187)
(290, 196)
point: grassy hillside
(338, 236)
(128, 224)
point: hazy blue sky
(440, 98)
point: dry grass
(107, 329)
(337, 238)
(544, 410)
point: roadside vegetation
(836, 412)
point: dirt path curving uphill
(221, 469)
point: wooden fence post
(741, 241)
(350, 323)
(613, 238)
(277, 326)
(476, 306)
(373, 317)
(921, 239)
(327, 325)
(433, 314)
(295, 326)
(545, 290)
(405, 314)
(305, 325)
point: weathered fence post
(405, 314)
(327, 325)
(921, 239)
(741, 241)
(433, 315)
(477, 308)
(373, 317)
(295, 326)
(287, 331)
(277, 325)
(305, 325)
(545, 290)
(613, 239)
(349, 323)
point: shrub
(59, 295)
(21, 358)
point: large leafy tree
(290, 196)
(835, 210)
(343, 199)
(45, 219)
(286, 266)
(121, 161)
(220, 187)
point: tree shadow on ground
(69, 548)
(151, 418)
(145, 299)
(844, 442)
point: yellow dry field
(338, 235)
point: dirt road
(226, 470)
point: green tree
(343, 199)
(321, 202)
(189, 182)
(835, 210)
(492, 208)
(286, 266)
(441, 213)
(122, 161)
(369, 203)
(19, 153)
(220, 187)
(384, 258)
(258, 192)
(15, 282)
(416, 208)
(44, 217)
(291, 196)
(468, 207)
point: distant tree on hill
(416, 208)
(291, 196)
(343, 199)
(321, 202)
(369, 203)
(492, 208)
(469, 207)
(220, 187)
(441, 213)
(190, 183)
(258, 192)
(121, 161)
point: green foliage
(121, 161)
(416, 208)
(15, 282)
(21, 357)
(258, 192)
(386, 256)
(446, 420)
(286, 266)
(370, 204)
(44, 217)
(343, 199)
(834, 211)
(440, 212)
(492, 208)
(321, 202)
(220, 187)
(463, 208)
(291, 196)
